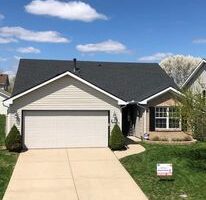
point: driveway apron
(73, 174)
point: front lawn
(2, 129)
(7, 160)
(189, 165)
(7, 163)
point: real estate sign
(164, 170)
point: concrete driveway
(73, 174)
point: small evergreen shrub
(116, 140)
(13, 140)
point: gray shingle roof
(127, 81)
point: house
(58, 104)
(4, 82)
(3, 95)
(197, 80)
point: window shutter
(152, 119)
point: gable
(198, 80)
(64, 93)
(167, 99)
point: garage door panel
(58, 129)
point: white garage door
(58, 129)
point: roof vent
(74, 65)
(75, 68)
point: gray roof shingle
(127, 81)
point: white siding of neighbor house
(3, 109)
(65, 93)
(198, 82)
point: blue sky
(113, 30)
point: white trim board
(193, 73)
(5, 95)
(145, 101)
(9, 101)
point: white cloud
(1, 16)
(28, 50)
(3, 59)
(155, 57)
(7, 40)
(108, 46)
(199, 41)
(72, 10)
(29, 35)
(17, 58)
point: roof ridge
(92, 61)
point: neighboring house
(4, 82)
(76, 103)
(3, 95)
(197, 80)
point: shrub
(163, 139)
(199, 131)
(116, 140)
(155, 138)
(187, 138)
(13, 140)
(177, 139)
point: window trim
(167, 120)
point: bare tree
(179, 67)
(11, 81)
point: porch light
(114, 118)
(16, 115)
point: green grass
(2, 129)
(7, 160)
(7, 163)
(189, 165)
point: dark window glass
(160, 123)
(174, 123)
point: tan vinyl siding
(64, 94)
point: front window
(167, 118)
(174, 118)
(161, 117)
